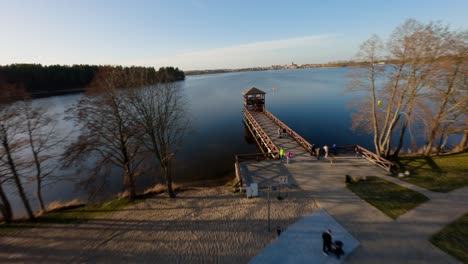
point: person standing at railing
(312, 150)
(356, 151)
(317, 152)
(288, 156)
(325, 148)
(279, 132)
(334, 149)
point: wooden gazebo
(254, 99)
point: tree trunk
(39, 194)
(464, 142)
(442, 141)
(38, 165)
(17, 180)
(411, 102)
(132, 187)
(129, 182)
(5, 207)
(39, 181)
(167, 171)
(374, 114)
(440, 113)
(400, 140)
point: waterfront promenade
(382, 239)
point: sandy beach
(202, 225)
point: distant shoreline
(219, 71)
(45, 94)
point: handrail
(376, 159)
(272, 148)
(304, 143)
(371, 156)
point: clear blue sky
(199, 34)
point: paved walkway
(383, 240)
(302, 242)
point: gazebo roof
(252, 91)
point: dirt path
(208, 225)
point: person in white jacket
(326, 151)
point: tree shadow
(418, 164)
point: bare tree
(397, 93)
(463, 145)
(159, 111)
(448, 88)
(42, 137)
(6, 211)
(366, 79)
(107, 131)
(12, 143)
(5, 206)
(427, 44)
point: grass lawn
(73, 214)
(453, 239)
(392, 199)
(438, 173)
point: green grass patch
(392, 199)
(453, 239)
(73, 214)
(438, 173)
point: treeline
(423, 90)
(122, 123)
(39, 80)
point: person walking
(325, 148)
(279, 132)
(334, 149)
(327, 241)
(312, 150)
(288, 156)
(278, 231)
(317, 152)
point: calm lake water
(313, 102)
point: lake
(313, 102)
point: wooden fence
(371, 157)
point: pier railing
(304, 143)
(249, 157)
(371, 157)
(271, 147)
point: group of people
(282, 153)
(315, 150)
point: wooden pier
(264, 127)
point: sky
(204, 34)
